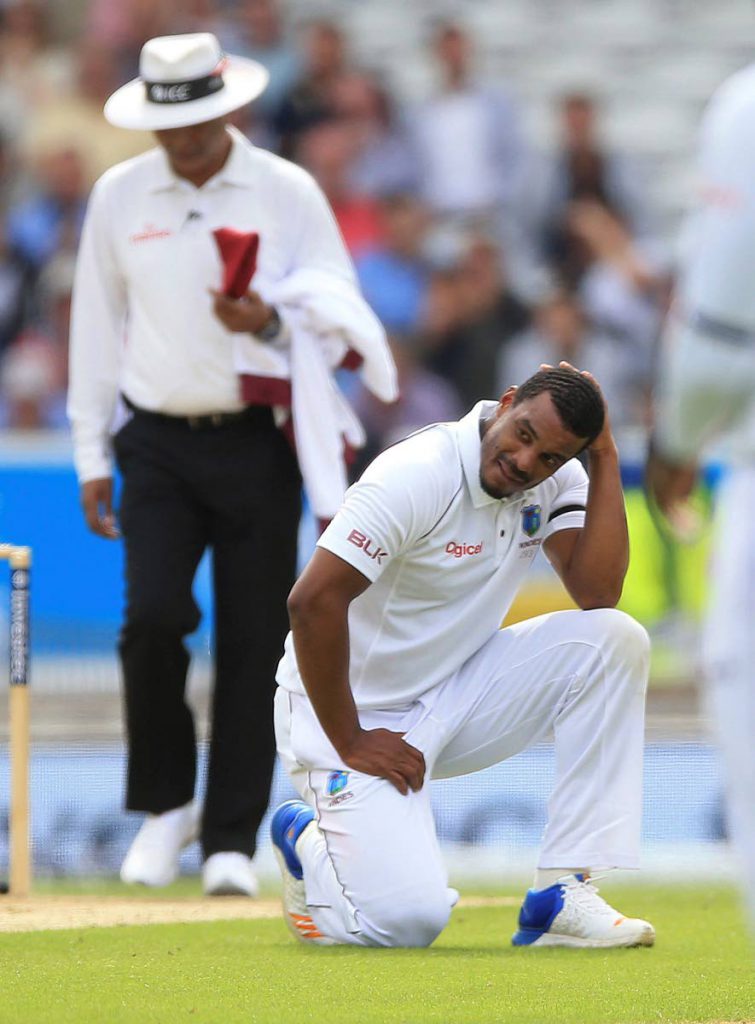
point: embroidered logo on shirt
(149, 233)
(459, 550)
(531, 519)
(336, 782)
(335, 786)
(370, 548)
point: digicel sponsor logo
(370, 548)
(457, 550)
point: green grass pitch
(700, 970)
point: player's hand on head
(564, 365)
(605, 439)
(387, 755)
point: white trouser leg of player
(729, 657)
(583, 674)
(373, 872)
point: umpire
(155, 356)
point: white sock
(545, 877)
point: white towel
(326, 316)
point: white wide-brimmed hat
(184, 80)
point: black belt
(205, 421)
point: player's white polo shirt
(716, 283)
(445, 559)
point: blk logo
(370, 548)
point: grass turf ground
(252, 971)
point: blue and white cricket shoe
(289, 822)
(572, 913)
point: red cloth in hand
(238, 251)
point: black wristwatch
(272, 328)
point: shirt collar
(469, 448)
(235, 171)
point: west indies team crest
(335, 788)
(531, 519)
(336, 783)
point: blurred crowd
(481, 255)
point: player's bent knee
(415, 923)
(614, 629)
(630, 635)
(624, 647)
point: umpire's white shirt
(444, 558)
(142, 319)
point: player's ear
(507, 398)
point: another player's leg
(729, 657)
(583, 675)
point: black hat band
(185, 92)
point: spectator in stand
(126, 25)
(259, 32)
(17, 281)
(561, 330)
(584, 169)
(625, 283)
(202, 15)
(424, 398)
(73, 119)
(327, 151)
(123, 27)
(442, 316)
(31, 69)
(34, 368)
(384, 163)
(11, 179)
(55, 295)
(469, 145)
(50, 220)
(29, 385)
(488, 314)
(394, 275)
(310, 100)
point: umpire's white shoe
(153, 856)
(289, 823)
(572, 913)
(229, 874)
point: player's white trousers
(730, 663)
(373, 871)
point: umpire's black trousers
(235, 488)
